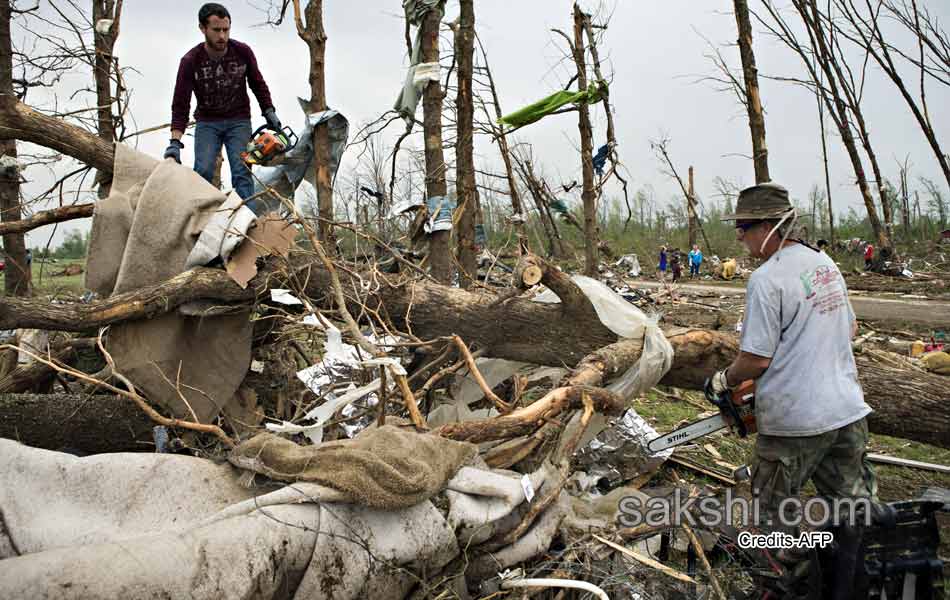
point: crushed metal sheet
(619, 452)
(323, 413)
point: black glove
(270, 115)
(174, 150)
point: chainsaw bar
(687, 433)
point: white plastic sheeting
(627, 321)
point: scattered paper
(282, 296)
(527, 487)
(257, 366)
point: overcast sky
(655, 51)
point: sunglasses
(747, 225)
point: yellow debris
(729, 268)
(937, 362)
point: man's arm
(746, 366)
(256, 82)
(181, 99)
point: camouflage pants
(835, 461)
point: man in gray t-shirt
(796, 345)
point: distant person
(868, 256)
(218, 72)
(675, 265)
(661, 267)
(695, 260)
(29, 258)
(822, 245)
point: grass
(46, 282)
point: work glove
(270, 115)
(718, 382)
(174, 150)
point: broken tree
(540, 333)
(311, 31)
(16, 274)
(464, 145)
(591, 229)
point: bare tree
(16, 274)
(760, 153)
(837, 90)
(106, 15)
(498, 134)
(937, 203)
(662, 152)
(464, 145)
(439, 255)
(311, 31)
(864, 29)
(824, 162)
(591, 230)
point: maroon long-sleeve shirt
(218, 84)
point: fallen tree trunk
(91, 424)
(907, 403)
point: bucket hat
(759, 202)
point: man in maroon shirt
(218, 71)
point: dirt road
(933, 313)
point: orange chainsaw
(267, 144)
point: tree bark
(440, 258)
(691, 211)
(760, 153)
(20, 122)
(91, 424)
(46, 217)
(464, 160)
(591, 230)
(102, 71)
(314, 35)
(17, 276)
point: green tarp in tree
(536, 111)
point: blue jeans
(234, 135)
(693, 268)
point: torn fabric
(545, 106)
(297, 165)
(142, 235)
(419, 74)
(382, 467)
(441, 209)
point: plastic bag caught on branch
(627, 321)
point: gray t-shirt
(799, 315)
